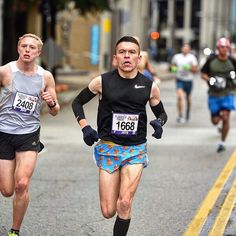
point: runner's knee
(225, 116)
(215, 120)
(123, 205)
(7, 192)
(22, 185)
(108, 213)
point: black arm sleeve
(160, 113)
(77, 105)
(233, 61)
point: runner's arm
(84, 97)
(49, 94)
(5, 74)
(157, 106)
(205, 77)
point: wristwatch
(51, 106)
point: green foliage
(84, 6)
(92, 5)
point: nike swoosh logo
(138, 86)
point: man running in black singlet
(121, 153)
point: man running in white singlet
(24, 85)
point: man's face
(127, 56)
(28, 49)
(223, 50)
(185, 49)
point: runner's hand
(90, 135)
(187, 67)
(157, 128)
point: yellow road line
(198, 221)
(225, 212)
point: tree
(15, 19)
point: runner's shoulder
(5, 72)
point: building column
(222, 19)
(187, 37)
(105, 57)
(171, 23)
(208, 24)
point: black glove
(217, 83)
(90, 135)
(156, 124)
(231, 80)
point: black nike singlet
(122, 116)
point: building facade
(89, 43)
(197, 22)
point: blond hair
(40, 42)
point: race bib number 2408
(25, 103)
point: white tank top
(20, 102)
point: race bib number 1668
(124, 124)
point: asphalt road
(183, 166)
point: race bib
(25, 103)
(124, 124)
(183, 73)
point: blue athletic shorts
(185, 85)
(110, 156)
(218, 104)
(234, 101)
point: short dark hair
(128, 39)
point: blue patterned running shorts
(110, 156)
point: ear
(114, 61)
(39, 52)
(139, 58)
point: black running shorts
(11, 143)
